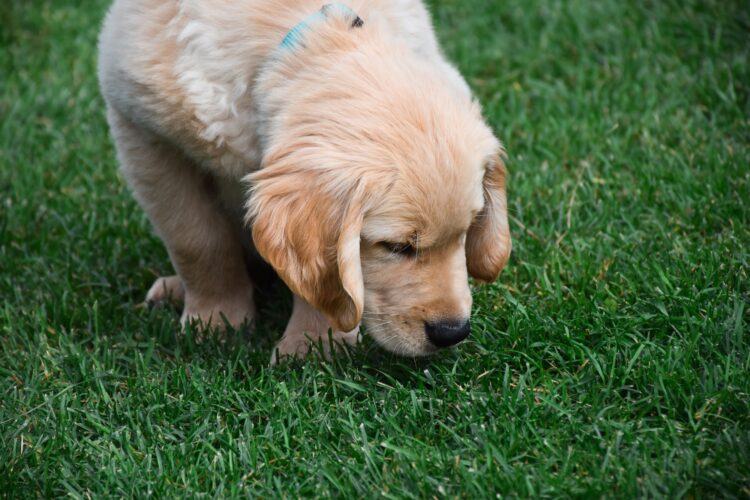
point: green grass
(612, 358)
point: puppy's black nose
(447, 333)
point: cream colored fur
(328, 148)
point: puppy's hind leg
(203, 244)
(166, 290)
(306, 327)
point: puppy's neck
(312, 44)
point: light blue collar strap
(296, 35)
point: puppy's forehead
(427, 207)
(423, 143)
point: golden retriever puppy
(334, 139)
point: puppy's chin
(407, 340)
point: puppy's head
(381, 190)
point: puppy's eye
(403, 249)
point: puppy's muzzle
(447, 333)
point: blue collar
(295, 36)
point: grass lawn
(612, 357)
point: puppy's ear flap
(349, 306)
(488, 243)
(312, 239)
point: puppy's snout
(447, 333)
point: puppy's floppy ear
(311, 237)
(488, 242)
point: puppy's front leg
(306, 327)
(181, 201)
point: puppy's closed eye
(400, 249)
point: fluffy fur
(321, 152)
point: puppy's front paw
(299, 345)
(233, 314)
(166, 290)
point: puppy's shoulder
(181, 69)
